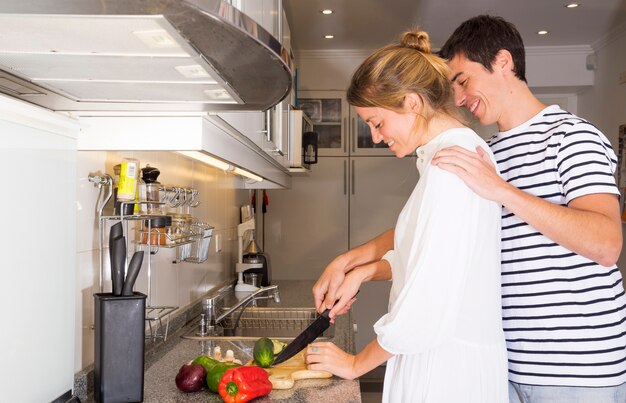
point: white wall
(179, 284)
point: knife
(309, 334)
(118, 263)
(133, 270)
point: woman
(442, 337)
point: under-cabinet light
(224, 166)
(542, 32)
(207, 159)
(327, 11)
(247, 174)
(572, 5)
(329, 36)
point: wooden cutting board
(284, 375)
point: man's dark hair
(480, 39)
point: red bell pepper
(242, 384)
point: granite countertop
(162, 363)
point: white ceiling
(369, 24)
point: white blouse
(444, 323)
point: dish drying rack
(192, 246)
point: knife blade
(309, 334)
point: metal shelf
(156, 315)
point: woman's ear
(413, 103)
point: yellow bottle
(129, 176)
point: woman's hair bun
(417, 40)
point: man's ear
(503, 60)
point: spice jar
(151, 189)
(158, 230)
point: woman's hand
(325, 288)
(325, 356)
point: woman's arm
(326, 288)
(325, 356)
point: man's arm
(325, 289)
(589, 226)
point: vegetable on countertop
(206, 362)
(242, 384)
(215, 375)
(279, 346)
(190, 378)
(263, 352)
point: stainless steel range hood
(139, 55)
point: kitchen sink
(272, 322)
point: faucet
(210, 319)
(271, 290)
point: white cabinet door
(264, 12)
(307, 226)
(379, 188)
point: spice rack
(157, 317)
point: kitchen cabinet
(38, 293)
(306, 226)
(341, 131)
(264, 12)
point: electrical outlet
(622, 77)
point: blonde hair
(392, 72)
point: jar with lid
(156, 228)
(152, 186)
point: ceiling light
(329, 36)
(327, 12)
(572, 5)
(542, 32)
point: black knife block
(119, 347)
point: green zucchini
(263, 352)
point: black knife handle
(133, 270)
(118, 264)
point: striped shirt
(564, 316)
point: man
(564, 308)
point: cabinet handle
(353, 176)
(269, 128)
(345, 177)
(354, 135)
(344, 138)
